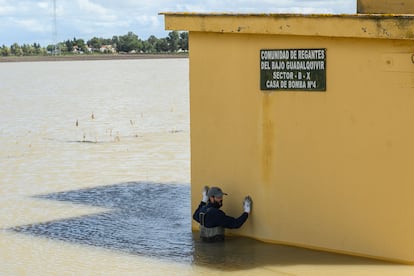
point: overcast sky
(29, 21)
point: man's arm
(196, 215)
(231, 222)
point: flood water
(95, 179)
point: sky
(32, 21)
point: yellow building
(313, 116)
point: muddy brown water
(95, 179)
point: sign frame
(293, 69)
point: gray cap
(216, 192)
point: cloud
(89, 8)
(43, 5)
(5, 9)
(148, 20)
(24, 20)
(32, 25)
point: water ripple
(147, 219)
(153, 220)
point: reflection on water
(146, 219)
(153, 220)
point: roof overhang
(380, 26)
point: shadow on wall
(154, 220)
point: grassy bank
(88, 57)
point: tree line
(128, 43)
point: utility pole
(56, 47)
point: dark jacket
(215, 217)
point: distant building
(107, 49)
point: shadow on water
(152, 219)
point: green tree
(61, 48)
(107, 41)
(74, 44)
(81, 45)
(5, 51)
(147, 47)
(124, 43)
(115, 42)
(16, 50)
(28, 50)
(129, 42)
(38, 49)
(50, 48)
(69, 45)
(173, 40)
(150, 45)
(95, 43)
(184, 41)
(162, 45)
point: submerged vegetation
(129, 43)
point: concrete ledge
(399, 27)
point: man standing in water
(212, 220)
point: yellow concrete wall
(329, 170)
(385, 6)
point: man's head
(215, 195)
